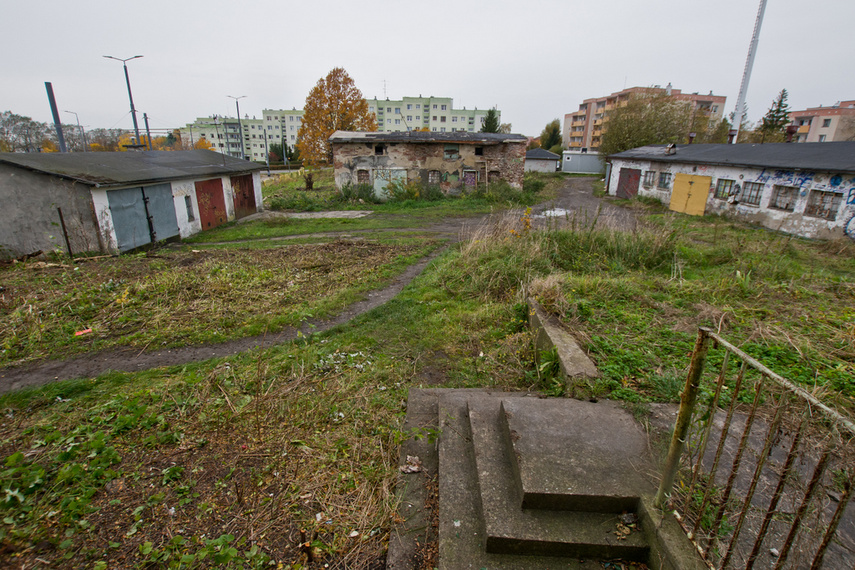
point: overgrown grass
(412, 207)
(242, 460)
(178, 298)
(250, 450)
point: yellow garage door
(689, 194)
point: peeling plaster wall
(794, 222)
(420, 159)
(180, 190)
(29, 220)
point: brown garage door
(244, 195)
(627, 186)
(212, 203)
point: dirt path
(575, 198)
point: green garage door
(131, 209)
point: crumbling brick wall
(422, 162)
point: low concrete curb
(550, 334)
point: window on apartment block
(434, 117)
(409, 117)
(649, 178)
(442, 119)
(751, 193)
(479, 151)
(444, 107)
(826, 122)
(378, 150)
(664, 179)
(723, 188)
(434, 106)
(388, 109)
(452, 151)
(418, 106)
(784, 197)
(409, 107)
(388, 121)
(397, 121)
(821, 138)
(397, 110)
(823, 204)
(362, 177)
(442, 129)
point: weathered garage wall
(29, 220)
(505, 161)
(795, 222)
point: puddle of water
(555, 213)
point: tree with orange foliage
(334, 104)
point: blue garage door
(130, 215)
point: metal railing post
(684, 418)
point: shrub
(360, 192)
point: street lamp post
(240, 125)
(82, 132)
(130, 96)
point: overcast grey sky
(535, 60)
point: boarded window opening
(188, 203)
(784, 198)
(452, 152)
(723, 189)
(433, 177)
(378, 150)
(479, 151)
(495, 175)
(823, 204)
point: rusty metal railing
(759, 470)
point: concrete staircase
(528, 483)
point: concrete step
(575, 455)
(510, 529)
(462, 539)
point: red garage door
(212, 204)
(244, 195)
(627, 186)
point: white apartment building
(282, 126)
(437, 114)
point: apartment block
(276, 126)
(250, 139)
(437, 114)
(825, 124)
(583, 130)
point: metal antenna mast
(746, 75)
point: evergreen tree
(491, 122)
(773, 127)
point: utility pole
(57, 123)
(746, 75)
(82, 132)
(130, 96)
(240, 125)
(147, 131)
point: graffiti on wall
(787, 177)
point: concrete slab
(576, 455)
(549, 334)
(512, 530)
(410, 539)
